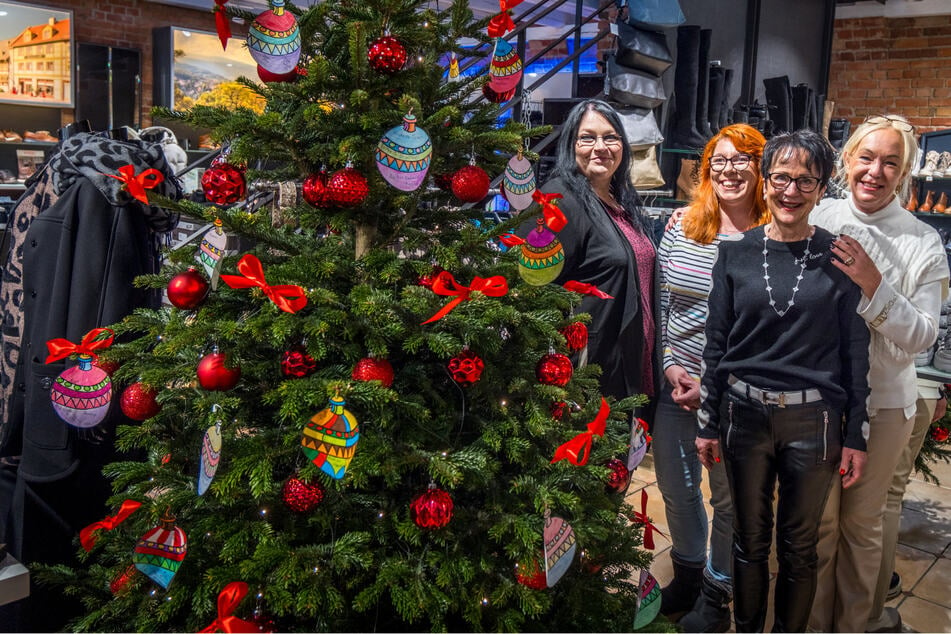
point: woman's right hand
(686, 389)
(708, 450)
(675, 215)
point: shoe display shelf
(17, 162)
(933, 175)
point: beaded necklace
(769, 289)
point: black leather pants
(800, 446)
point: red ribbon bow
(288, 297)
(505, 5)
(586, 289)
(95, 339)
(136, 185)
(222, 24)
(228, 599)
(554, 217)
(86, 536)
(500, 24)
(445, 284)
(511, 240)
(577, 449)
(643, 425)
(649, 528)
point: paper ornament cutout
(453, 67)
(560, 547)
(640, 440)
(214, 246)
(81, 394)
(159, 553)
(518, 182)
(648, 600)
(274, 39)
(210, 457)
(541, 257)
(330, 438)
(505, 69)
(403, 155)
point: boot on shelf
(711, 612)
(803, 104)
(941, 207)
(680, 595)
(912, 204)
(931, 163)
(726, 117)
(703, 84)
(839, 132)
(715, 101)
(683, 132)
(928, 204)
(779, 99)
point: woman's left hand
(852, 466)
(852, 260)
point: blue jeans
(679, 474)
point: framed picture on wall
(36, 55)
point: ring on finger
(849, 261)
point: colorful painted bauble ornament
(223, 184)
(387, 55)
(470, 184)
(431, 509)
(314, 189)
(159, 553)
(576, 336)
(300, 496)
(518, 182)
(210, 457)
(274, 39)
(330, 438)
(466, 367)
(554, 369)
(81, 394)
(541, 258)
(215, 375)
(138, 402)
(939, 434)
(532, 576)
(374, 369)
(560, 548)
(453, 67)
(640, 440)
(403, 155)
(269, 78)
(495, 96)
(505, 69)
(214, 246)
(620, 476)
(347, 187)
(296, 363)
(187, 290)
(648, 600)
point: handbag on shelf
(642, 49)
(688, 179)
(633, 87)
(655, 14)
(640, 126)
(645, 172)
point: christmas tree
(359, 420)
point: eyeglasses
(898, 124)
(805, 184)
(739, 162)
(589, 140)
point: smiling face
(789, 205)
(733, 187)
(599, 161)
(874, 169)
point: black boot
(679, 595)
(711, 612)
(803, 105)
(779, 99)
(839, 132)
(715, 99)
(725, 116)
(682, 134)
(703, 85)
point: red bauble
(188, 289)
(470, 184)
(559, 409)
(428, 278)
(269, 77)
(576, 336)
(347, 187)
(466, 367)
(223, 184)
(620, 476)
(373, 369)
(443, 181)
(534, 579)
(296, 363)
(495, 96)
(301, 496)
(387, 55)
(138, 402)
(554, 369)
(213, 374)
(263, 622)
(939, 434)
(315, 189)
(106, 365)
(431, 509)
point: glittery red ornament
(296, 363)
(315, 189)
(188, 289)
(533, 577)
(431, 509)
(620, 476)
(121, 581)
(214, 375)
(347, 187)
(373, 369)
(138, 402)
(939, 434)
(443, 181)
(428, 278)
(466, 367)
(554, 369)
(470, 184)
(576, 336)
(106, 365)
(263, 622)
(387, 55)
(559, 409)
(269, 77)
(301, 496)
(496, 96)
(223, 184)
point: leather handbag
(642, 49)
(633, 87)
(645, 173)
(640, 126)
(655, 14)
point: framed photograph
(36, 55)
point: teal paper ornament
(274, 39)
(403, 155)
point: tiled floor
(924, 547)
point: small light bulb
(260, 595)
(503, 402)
(316, 570)
(485, 601)
(168, 598)
(444, 454)
(263, 511)
(152, 593)
(380, 515)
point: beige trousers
(850, 534)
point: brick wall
(893, 65)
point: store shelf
(932, 373)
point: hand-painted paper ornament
(159, 553)
(453, 67)
(387, 55)
(270, 78)
(214, 246)
(470, 184)
(210, 457)
(81, 394)
(518, 182)
(274, 39)
(541, 257)
(560, 547)
(648, 600)
(403, 155)
(505, 69)
(330, 438)
(640, 439)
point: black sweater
(821, 342)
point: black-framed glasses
(780, 181)
(898, 124)
(589, 140)
(739, 162)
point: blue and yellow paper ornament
(560, 547)
(518, 182)
(159, 553)
(210, 457)
(403, 155)
(330, 438)
(505, 69)
(274, 39)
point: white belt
(767, 397)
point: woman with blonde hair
(727, 202)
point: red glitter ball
(620, 476)
(554, 369)
(300, 496)
(576, 336)
(431, 509)
(387, 55)
(373, 369)
(470, 184)
(347, 187)
(939, 434)
(138, 402)
(536, 579)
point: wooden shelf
(933, 374)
